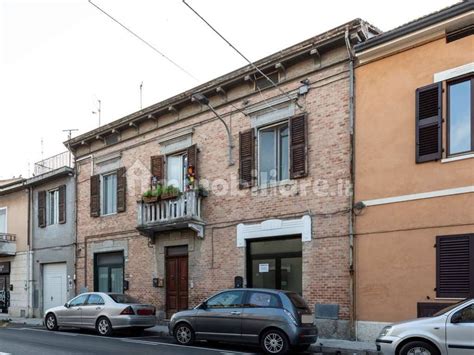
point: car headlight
(173, 317)
(385, 331)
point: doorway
(54, 285)
(176, 279)
(108, 272)
(275, 263)
(4, 286)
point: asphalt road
(37, 341)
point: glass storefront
(109, 274)
(275, 263)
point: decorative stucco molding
(274, 228)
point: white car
(104, 312)
(448, 332)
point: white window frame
(262, 128)
(102, 193)
(55, 193)
(183, 156)
(6, 219)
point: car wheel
(184, 334)
(418, 348)
(301, 348)
(51, 322)
(274, 342)
(103, 327)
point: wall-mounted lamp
(203, 100)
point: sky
(57, 58)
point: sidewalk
(5, 318)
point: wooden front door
(176, 280)
(4, 293)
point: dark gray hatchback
(276, 320)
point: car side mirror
(456, 318)
(203, 305)
(66, 305)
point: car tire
(416, 347)
(301, 348)
(51, 322)
(103, 327)
(184, 334)
(274, 342)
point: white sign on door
(263, 267)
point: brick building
(269, 200)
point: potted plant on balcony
(152, 195)
(170, 192)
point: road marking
(126, 340)
(5, 353)
(200, 348)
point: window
(109, 194)
(78, 301)
(53, 207)
(460, 116)
(262, 299)
(465, 315)
(262, 83)
(273, 154)
(109, 272)
(229, 299)
(176, 170)
(3, 220)
(95, 300)
(455, 256)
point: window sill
(274, 184)
(458, 157)
(108, 215)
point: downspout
(29, 259)
(352, 294)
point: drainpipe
(351, 197)
(29, 258)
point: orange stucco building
(414, 169)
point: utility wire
(240, 53)
(146, 42)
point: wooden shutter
(455, 266)
(95, 196)
(192, 154)
(298, 147)
(42, 209)
(121, 190)
(428, 123)
(246, 158)
(62, 204)
(158, 167)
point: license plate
(307, 319)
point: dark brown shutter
(192, 154)
(95, 196)
(121, 190)
(247, 158)
(428, 123)
(455, 266)
(42, 209)
(62, 204)
(158, 167)
(298, 147)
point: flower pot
(169, 196)
(151, 199)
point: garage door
(54, 285)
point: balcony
(7, 244)
(171, 214)
(55, 162)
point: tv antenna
(141, 95)
(70, 130)
(99, 110)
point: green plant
(157, 191)
(171, 190)
(147, 193)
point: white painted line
(126, 340)
(201, 348)
(5, 353)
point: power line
(146, 42)
(240, 53)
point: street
(22, 340)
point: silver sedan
(103, 312)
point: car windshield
(297, 300)
(447, 309)
(121, 298)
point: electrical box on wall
(125, 285)
(157, 282)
